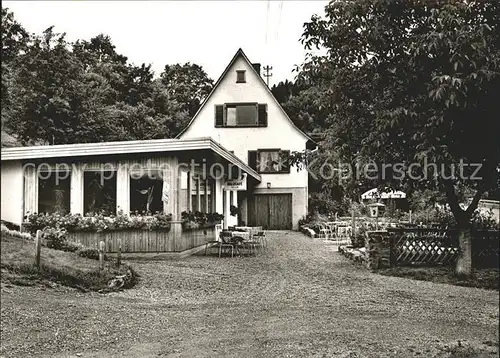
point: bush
(323, 203)
(55, 237)
(21, 235)
(71, 246)
(90, 253)
(444, 218)
(313, 221)
(360, 209)
(358, 238)
(193, 220)
(98, 222)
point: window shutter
(263, 115)
(252, 159)
(219, 115)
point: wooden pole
(119, 254)
(38, 246)
(206, 195)
(198, 195)
(189, 194)
(101, 255)
(410, 216)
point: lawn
(66, 268)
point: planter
(132, 240)
(189, 226)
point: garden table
(250, 229)
(248, 239)
(244, 234)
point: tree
(415, 82)
(187, 84)
(46, 90)
(14, 42)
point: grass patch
(65, 268)
(480, 278)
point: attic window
(241, 115)
(240, 76)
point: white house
(243, 116)
(235, 140)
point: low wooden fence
(423, 246)
(144, 240)
(428, 247)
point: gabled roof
(238, 54)
(125, 147)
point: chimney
(256, 66)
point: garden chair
(256, 242)
(261, 238)
(324, 231)
(227, 240)
(342, 230)
(333, 228)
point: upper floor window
(240, 76)
(269, 160)
(241, 115)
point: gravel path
(301, 298)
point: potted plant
(233, 210)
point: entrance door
(271, 211)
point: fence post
(101, 255)
(38, 245)
(119, 253)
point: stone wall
(378, 249)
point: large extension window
(269, 161)
(146, 192)
(206, 195)
(99, 192)
(241, 115)
(54, 192)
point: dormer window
(240, 76)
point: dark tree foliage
(55, 91)
(412, 82)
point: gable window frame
(221, 114)
(241, 76)
(283, 170)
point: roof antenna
(267, 74)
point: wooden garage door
(271, 211)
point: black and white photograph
(250, 178)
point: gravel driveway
(301, 298)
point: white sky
(165, 32)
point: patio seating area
(237, 240)
(338, 231)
